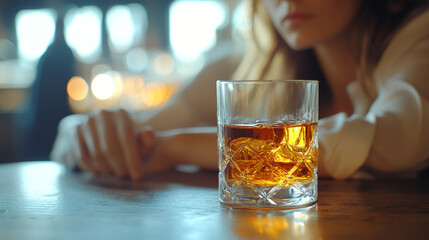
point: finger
(146, 140)
(76, 153)
(153, 161)
(81, 150)
(109, 143)
(61, 149)
(96, 156)
(128, 141)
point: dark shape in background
(48, 97)
(28, 134)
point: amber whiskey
(264, 154)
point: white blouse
(388, 135)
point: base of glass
(256, 197)
(242, 205)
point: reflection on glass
(290, 224)
(35, 31)
(83, 32)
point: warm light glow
(35, 32)
(77, 88)
(119, 85)
(294, 224)
(154, 95)
(163, 64)
(83, 32)
(103, 86)
(133, 85)
(193, 27)
(12, 99)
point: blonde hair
(269, 57)
(265, 47)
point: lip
(294, 19)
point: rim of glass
(268, 81)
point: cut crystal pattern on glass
(267, 142)
(270, 173)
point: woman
(371, 60)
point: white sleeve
(346, 143)
(401, 140)
(393, 137)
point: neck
(337, 61)
(339, 67)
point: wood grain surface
(41, 200)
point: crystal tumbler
(267, 142)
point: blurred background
(59, 57)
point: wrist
(196, 146)
(166, 150)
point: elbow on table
(396, 163)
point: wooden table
(40, 200)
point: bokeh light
(103, 86)
(35, 31)
(77, 88)
(163, 64)
(136, 60)
(154, 95)
(193, 26)
(83, 32)
(125, 26)
(120, 27)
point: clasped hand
(106, 143)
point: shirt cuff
(346, 142)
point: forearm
(197, 146)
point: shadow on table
(185, 175)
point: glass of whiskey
(267, 143)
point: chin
(300, 47)
(297, 43)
